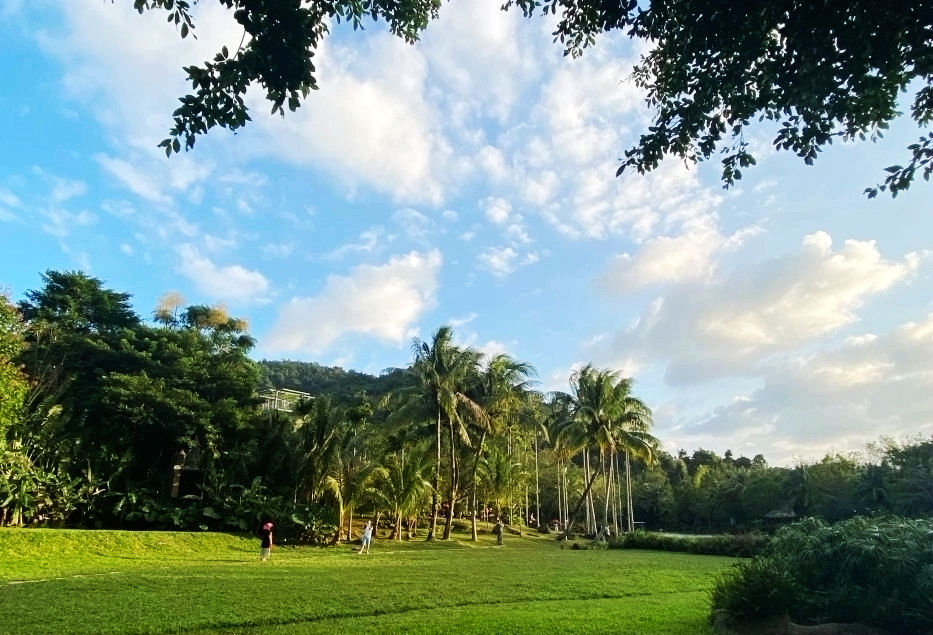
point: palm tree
(630, 434)
(499, 473)
(351, 473)
(443, 372)
(317, 439)
(402, 486)
(502, 394)
(604, 415)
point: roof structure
(283, 399)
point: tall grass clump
(872, 571)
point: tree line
(110, 420)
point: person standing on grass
(499, 529)
(265, 546)
(367, 537)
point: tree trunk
(602, 462)
(566, 494)
(437, 475)
(560, 489)
(476, 459)
(537, 485)
(590, 512)
(454, 484)
(617, 503)
(576, 509)
(628, 492)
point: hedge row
(738, 545)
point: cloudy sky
(469, 180)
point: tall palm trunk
(476, 459)
(454, 482)
(602, 461)
(580, 502)
(435, 480)
(590, 511)
(566, 497)
(560, 491)
(537, 485)
(628, 492)
(617, 503)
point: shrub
(874, 571)
(738, 545)
(752, 590)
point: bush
(737, 545)
(752, 590)
(873, 571)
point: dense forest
(111, 420)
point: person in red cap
(265, 547)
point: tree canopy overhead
(818, 69)
(276, 52)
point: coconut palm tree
(499, 474)
(318, 430)
(629, 429)
(352, 470)
(443, 372)
(604, 415)
(402, 486)
(502, 394)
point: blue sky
(469, 180)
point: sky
(469, 180)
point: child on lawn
(265, 546)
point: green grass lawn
(96, 582)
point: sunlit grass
(150, 582)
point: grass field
(97, 582)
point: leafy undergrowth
(149, 582)
(871, 571)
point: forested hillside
(316, 379)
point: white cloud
(836, 399)
(60, 222)
(9, 199)
(492, 162)
(416, 225)
(367, 242)
(497, 210)
(231, 283)
(492, 348)
(371, 126)
(64, 189)
(143, 57)
(499, 261)
(688, 256)
(278, 250)
(137, 181)
(469, 39)
(462, 321)
(219, 244)
(730, 326)
(383, 302)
